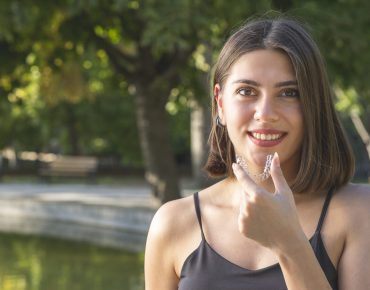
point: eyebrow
(277, 85)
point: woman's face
(260, 106)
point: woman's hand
(268, 218)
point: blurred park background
(125, 85)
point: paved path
(125, 196)
(115, 216)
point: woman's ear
(217, 94)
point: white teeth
(266, 136)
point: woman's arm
(354, 264)
(301, 268)
(159, 254)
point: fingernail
(234, 166)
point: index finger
(245, 180)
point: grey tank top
(205, 269)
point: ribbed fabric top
(205, 269)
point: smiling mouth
(266, 137)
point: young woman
(297, 224)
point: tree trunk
(361, 130)
(200, 126)
(153, 78)
(155, 144)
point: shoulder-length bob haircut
(326, 158)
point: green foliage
(348, 100)
(61, 77)
(341, 28)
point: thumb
(280, 183)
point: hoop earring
(218, 122)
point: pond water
(35, 263)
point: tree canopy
(117, 77)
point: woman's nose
(265, 110)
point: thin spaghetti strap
(324, 210)
(197, 210)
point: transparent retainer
(257, 177)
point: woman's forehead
(262, 66)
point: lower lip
(266, 143)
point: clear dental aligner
(257, 177)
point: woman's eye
(247, 92)
(290, 93)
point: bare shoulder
(354, 194)
(352, 205)
(172, 218)
(168, 231)
(353, 202)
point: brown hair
(326, 159)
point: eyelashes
(290, 92)
(251, 92)
(246, 92)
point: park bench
(70, 166)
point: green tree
(160, 52)
(149, 44)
